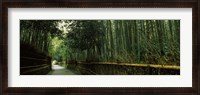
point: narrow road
(59, 70)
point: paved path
(59, 70)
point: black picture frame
(194, 4)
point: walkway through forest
(100, 47)
(59, 70)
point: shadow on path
(59, 70)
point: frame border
(194, 4)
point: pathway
(59, 70)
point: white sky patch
(65, 27)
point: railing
(138, 65)
(34, 66)
(111, 68)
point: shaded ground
(59, 70)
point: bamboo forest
(100, 47)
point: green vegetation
(114, 41)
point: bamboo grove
(38, 33)
(129, 41)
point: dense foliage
(133, 41)
(38, 33)
(128, 41)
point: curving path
(59, 70)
